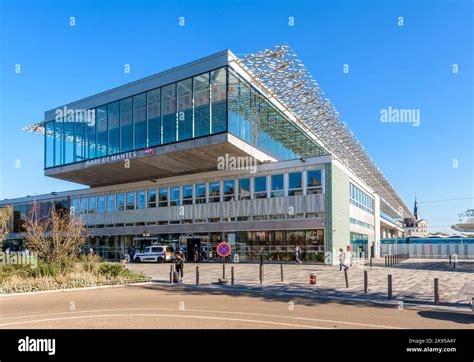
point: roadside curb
(73, 289)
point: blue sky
(409, 67)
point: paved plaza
(412, 280)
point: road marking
(208, 311)
(163, 315)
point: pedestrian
(303, 254)
(297, 255)
(179, 264)
(132, 253)
(342, 260)
(196, 254)
(122, 259)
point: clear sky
(405, 67)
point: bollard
(449, 259)
(346, 278)
(390, 286)
(261, 273)
(385, 260)
(232, 276)
(223, 270)
(366, 281)
(472, 304)
(171, 274)
(261, 259)
(197, 275)
(281, 272)
(436, 291)
(371, 262)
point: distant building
(414, 226)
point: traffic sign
(223, 249)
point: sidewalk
(412, 280)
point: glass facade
(209, 103)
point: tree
(5, 216)
(55, 237)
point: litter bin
(312, 278)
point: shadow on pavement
(279, 293)
(461, 267)
(456, 317)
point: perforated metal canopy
(279, 71)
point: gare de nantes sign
(119, 157)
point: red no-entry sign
(223, 249)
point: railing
(427, 248)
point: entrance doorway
(193, 247)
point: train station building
(247, 150)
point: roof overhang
(187, 157)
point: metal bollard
(366, 281)
(171, 274)
(223, 270)
(385, 260)
(232, 276)
(261, 273)
(281, 272)
(371, 262)
(449, 259)
(197, 275)
(390, 286)
(436, 291)
(346, 278)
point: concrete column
(377, 229)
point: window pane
(75, 206)
(185, 111)
(169, 113)
(151, 197)
(49, 144)
(83, 205)
(187, 195)
(91, 135)
(139, 120)
(101, 115)
(201, 105)
(68, 141)
(126, 124)
(114, 127)
(92, 204)
(154, 117)
(214, 192)
(110, 203)
(277, 186)
(218, 100)
(120, 202)
(58, 147)
(141, 204)
(79, 139)
(130, 200)
(163, 197)
(229, 190)
(200, 194)
(260, 187)
(295, 180)
(101, 203)
(244, 189)
(174, 201)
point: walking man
(297, 255)
(342, 259)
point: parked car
(155, 253)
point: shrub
(111, 269)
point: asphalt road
(164, 306)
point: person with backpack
(179, 265)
